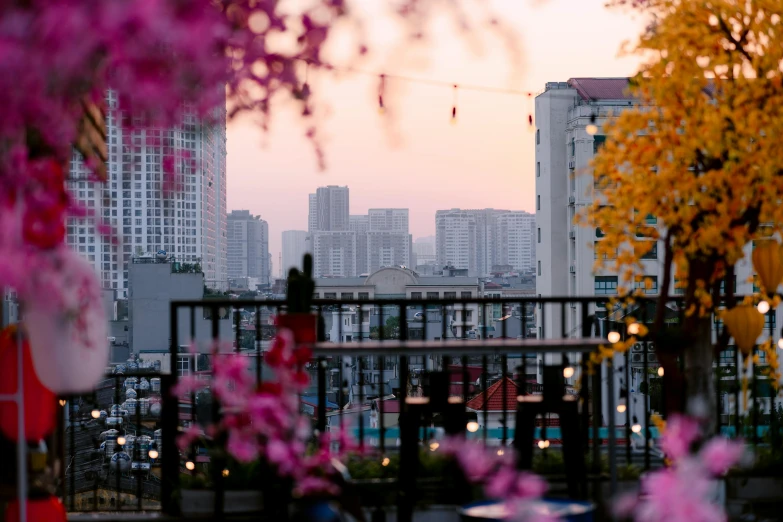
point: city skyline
(485, 160)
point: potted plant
(299, 299)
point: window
(598, 142)
(653, 252)
(573, 147)
(183, 365)
(364, 296)
(539, 235)
(330, 295)
(651, 220)
(770, 321)
(605, 285)
(538, 136)
(539, 268)
(729, 355)
(346, 295)
(603, 255)
(466, 295)
(415, 295)
(433, 295)
(538, 169)
(723, 285)
(648, 284)
(449, 295)
(538, 202)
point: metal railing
(366, 381)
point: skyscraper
(332, 241)
(514, 244)
(455, 239)
(248, 246)
(295, 246)
(388, 241)
(188, 223)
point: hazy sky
(418, 159)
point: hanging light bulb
(63, 401)
(500, 452)
(636, 428)
(381, 86)
(95, 414)
(542, 444)
(568, 372)
(385, 461)
(121, 441)
(472, 426)
(660, 371)
(434, 446)
(763, 307)
(454, 107)
(622, 403)
(153, 454)
(225, 472)
(591, 128)
(633, 328)
(613, 337)
(780, 343)
(190, 466)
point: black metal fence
(400, 374)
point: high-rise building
(295, 246)
(388, 241)
(514, 245)
(455, 239)
(361, 225)
(248, 246)
(312, 213)
(331, 209)
(388, 219)
(424, 251)
(334, 253)
(565, 258)
(188, 223)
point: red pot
(303, 326)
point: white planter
(66, 324)
(201, 501)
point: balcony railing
(374, 386)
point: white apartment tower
(388, 240)
(455, 239)
(514, 244)
(295, 246)
(189, 223)
(248, 246)
(332, 241)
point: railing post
(321, 396)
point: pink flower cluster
(495, 470)
(264, 422)
(684, 491)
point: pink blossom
(242, 446)
(720, 454)
(186, 385)
(279, 454)
(316, 486)
(188, 436)
(680, 433)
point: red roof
(494, 397)
(601, 88)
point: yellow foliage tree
(701, 152)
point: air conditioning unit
(572, 269)
(637, 358)
(571, 200)
(572, 234)
(650, 346)
(637, 347)
(571, 164)
(651, 357)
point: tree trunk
(700, 401)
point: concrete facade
(189, 223)
(361, 225)
(334, 253)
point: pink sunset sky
(413, 157)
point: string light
(385, 461)
(568, 372)
(190, 466)
(381, 87)
(454, 107)
(613, 337)
(660, 371)
(763, 307)
(95, 414)
(472, 426)
(434, 446)
(121, 441)
(225, 472)
(633, 328)
(62, 403)
(500, 452)
(153, 454)
(636, 428)
(592, 128)
(543, 444)
(780, 343)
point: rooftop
(591, 89)
(494, 397)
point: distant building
(360, 224)
(456, 239)
(424, 250)
(295, 246)
(334, 253)
(312, 213)
(248, 246)
(514, 245)
(331, 209)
